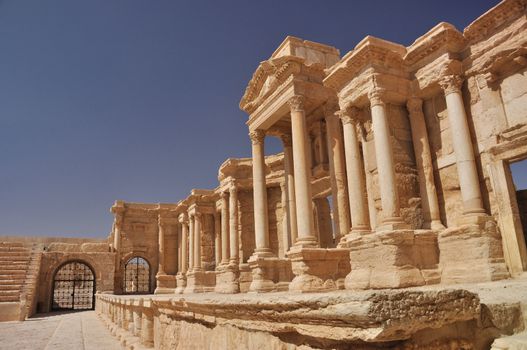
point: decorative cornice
(489, 22)
(414, 106)
(257, 137)
(451, 83)
(296, 103)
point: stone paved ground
(57, 331)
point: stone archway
(73, 287)
(136, 276)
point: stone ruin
(389, 221)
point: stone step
(9, 299)
(13, 272)
(12, 266)
(11, 280)
(6, 258)
(15, 286)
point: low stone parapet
(338, 319)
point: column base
(393, 224)
(195, 282)
(318, 269)
(392, 259)
(181, 283)
(246, 277)
(472, 252)
(269, 273)
(227, 279)
(166, 284)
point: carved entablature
(444, 37)
(371, 51)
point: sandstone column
(117, 231)
(197, 241)
(192, 239)
(337, 171)
(225, 244)
(290, 187)
(423, 160)
(217, 238)
(355, 171)
(233, 220)
(302, 171)
(261, 228)
(385, 160)
(462, 144)
(184, 243)
(161, 245)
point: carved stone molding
(257, 137)
(296, 103)
(377, 97)
(451, 83)
(224, 195)
(414, 106)
(233, 189)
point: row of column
(352, 212)
(189, 245)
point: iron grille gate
(73, 287)
(137, 276)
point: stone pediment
(293, 56)
(267, 78)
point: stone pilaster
(423, 160)
(337, 169)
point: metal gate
(137, 276)
(73, 287)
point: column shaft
(225, 244)
(261, 228)
(233, 212)
(184, 246)
(217, 238)
(385, 161)
(462, 144)
(302, 171)
(290, 188)
(338, 174)
(355, 172)
(161, 244)
(197, 241)
(191, 235)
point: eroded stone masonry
(390, 220)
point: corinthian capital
(451, 83)
(414, 106)
(377, 96)
(296, 103)
(257, 136)
(348, 115)
(183, 218)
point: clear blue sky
(138, 100)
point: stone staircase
(19, 269)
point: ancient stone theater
(389, 221)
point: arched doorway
(73, 287)
(136, 276)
